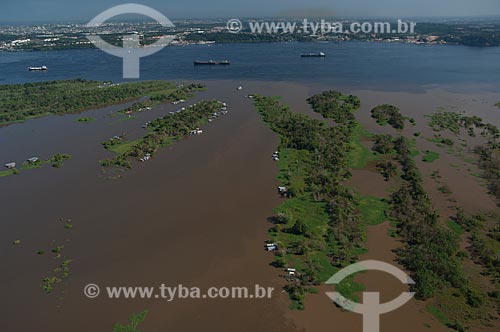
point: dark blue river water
(381, 66)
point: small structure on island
(282, 190)
(33, 160)
(276, 156)
(196, 131)
(10, 165)
(271, 246)
(146, 157)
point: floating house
(196, 131)
(271, 246)
(146, 157)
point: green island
(388, 114)
(57, 160)
(456, 293)
(20, 102)
(318, 229)
(162, 132)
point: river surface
(381, 66)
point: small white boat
(42, 68)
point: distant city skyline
(25, 11)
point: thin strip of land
(317, 230)
(20, 102)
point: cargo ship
(314, 55)
(42, 68)
(211, 62)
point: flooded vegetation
(19, 102)
(163, 132)
(343, 188)
(317, 230)
(388, 114)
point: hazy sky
(65, 10)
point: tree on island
(299, 228)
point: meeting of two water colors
(380, 66)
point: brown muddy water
(194, 215)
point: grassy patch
(310, 212)
(438, 314)
(372, 210)
(413, 148)
(348, 288)
(359, 155)
(430, 156)
(124, 147)
(85, 119)
(455, 228)
(441, 141)
(294, 165)
(7, 172)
